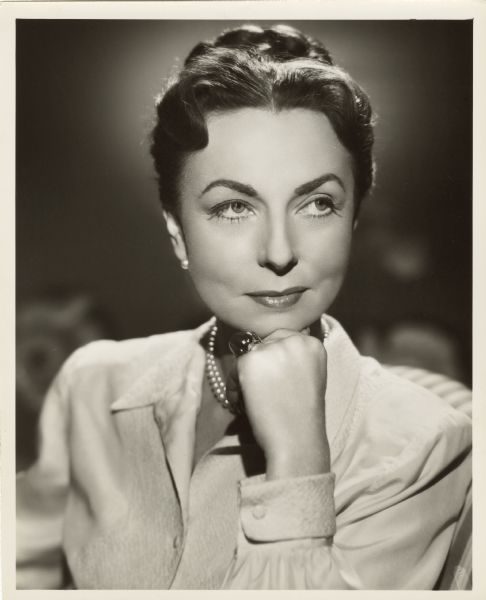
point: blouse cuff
(288, 509)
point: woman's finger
(281, 334)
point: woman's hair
(278, 68)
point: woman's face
(266, 218)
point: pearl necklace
(216, 383)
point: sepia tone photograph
(243, 304)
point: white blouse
(114, 495)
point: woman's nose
(277, 251)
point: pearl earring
(185, 264)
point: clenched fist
(283, 383)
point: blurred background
(93, 258)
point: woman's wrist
(298, 464)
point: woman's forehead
(253, 145)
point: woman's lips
(274, 299)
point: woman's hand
(283, 381)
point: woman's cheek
(212, 266)
(330, 254)
(221, 254)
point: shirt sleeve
(288, 509)
(393, 525)
(41, 496)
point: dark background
(88, 218)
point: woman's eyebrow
(242, 188)
(248, 190)
(310, 186)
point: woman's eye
(321, 206)
(234, 210)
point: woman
(311, 467)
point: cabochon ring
(242, 342)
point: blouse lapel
(343, 374)
(175, 414)
(173, 386)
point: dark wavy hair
(278, 68)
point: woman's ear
(176, 237)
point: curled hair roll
(278, 43)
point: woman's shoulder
(124, 361)
(120, 352)
(403, 407)
(418, 390)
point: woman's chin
(266, 324)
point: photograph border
(326, 10)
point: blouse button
(259, 511)
(176, 542)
